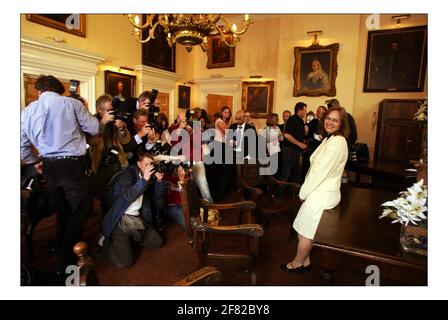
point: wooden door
(164, 102)
(398, 136)
(31, 93)
(215, 102)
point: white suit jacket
(327, 165)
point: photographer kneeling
(106, 151)
(133, 190)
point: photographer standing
(143, 136)
(106, 151)
(56, 125)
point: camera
(73, 89)
(153, 112)
(109, 157)
(121, 115)
(188, 115)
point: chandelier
(189, 29)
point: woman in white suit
(321, 189)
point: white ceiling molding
(152, 78)
(43, 57)
(228, 86)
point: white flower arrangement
(409, 207)
(422, 112)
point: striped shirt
(55, 126)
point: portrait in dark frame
(119, 84)
(396, 60)
(258, 98)
(58, 21)
(219, 54)
(157, 52)
(184, 97)
(315, 70)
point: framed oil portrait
(396, 60)
(71, 23)
(258, 98)
(219, 55)
(315, 70)
(184, 97)
(157, 52)
(119, 85)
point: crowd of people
(114, 159)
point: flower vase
(414, 239)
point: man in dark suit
(243, 138)
(293, 144)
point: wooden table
(354, 231)
(384, 174)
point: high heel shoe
(299, 269)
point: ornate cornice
(58, 49)
(158, 73)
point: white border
(437, 70)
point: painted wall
(366, 103)
(266, 49)
(107, 35)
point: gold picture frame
(59, 21)
(219, 54)
(315, 70)
(258, 97)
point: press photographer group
(128, 159)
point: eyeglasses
(332, 119)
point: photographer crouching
(126, 222)
(106, 150)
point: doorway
(216, 101)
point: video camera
(73, 89)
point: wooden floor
(176, 259)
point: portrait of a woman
(317, 78)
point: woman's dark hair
(49, 83)
(344, 130)
(223, 109)
(204, 115)
(161, 117)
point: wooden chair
(263, 190)
(206, 276)
(87, 276)
(227, 244)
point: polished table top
(354, 226)
(388, 168)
